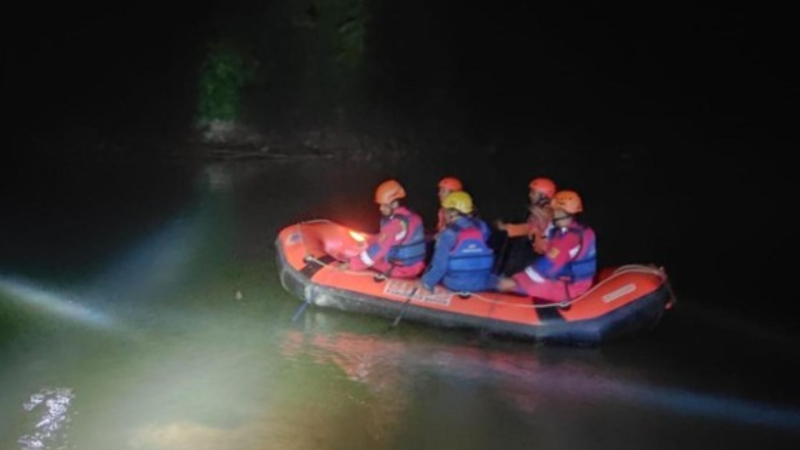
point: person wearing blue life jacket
(462, 261)
(398, 250)
(569, 264)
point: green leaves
(225, 73)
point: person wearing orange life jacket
(541, 215)
(446, 186)
(462, 260)
(399, 248)
(525, 241)
(568, 266)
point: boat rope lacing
(629, 268)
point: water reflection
(186, 435)
(367, 360)
(54, 302)
(154, 266)
(524, 380)
(49, 409)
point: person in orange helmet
(446, 186)
(399, 248)
(568, 266)
(540, 215)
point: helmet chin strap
(556, 219)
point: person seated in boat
(535, 229)
(446, 186)
(568, 266)
(462, 260)
(398, 250)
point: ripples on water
(49, 413)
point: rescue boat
(623, 300)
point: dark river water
(140, 309)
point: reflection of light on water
(686, 402)
(218, 177)
(159, 263)
(53, 405)
(54, 303)
(524, 378)
(529, 379)
(223, 177)
(363, 359)
(185, 435)
(154, 262)
(151, 266)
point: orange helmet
(543, 185)
(451, 183)
(568, 201)
(389, 191)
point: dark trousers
(513, 255)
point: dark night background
(698, 100)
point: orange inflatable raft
(623, 300)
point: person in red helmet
(568, 266)
(540, 215)
(446, 186)
(399, 248)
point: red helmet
(389, 191)
(451, 183)
(543, 185)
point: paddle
(300, 310)
(499, 261)
(404, 307)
